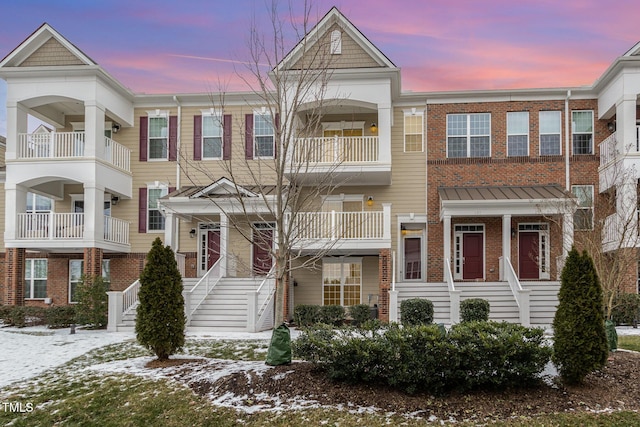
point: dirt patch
(156, 363)
(617, 386)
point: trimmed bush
(21, 316)
(60, 316)
(360, 313)
(416, 311)
(626, 309)
(160, 320)
(580, 341)
(474, 310)
(332, 315)
(93, 302)
(305, 315)
(474, 355)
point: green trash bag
(612, 335)
(279, 352)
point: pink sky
(168, 46)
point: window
(342, 280)
(158, 137)
(582, 129)
(38, 204)
(518, 134)
(35, 278)
(583, 217)
(212, 129)
(263, 136)
(76, 270)
(155, 220)
(468, 135)
(413, 131)
(550, 125)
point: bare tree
(606, 226)
(293, 100)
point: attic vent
(336, 42)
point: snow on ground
(27, 352)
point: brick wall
(500, 170)
(384, 275)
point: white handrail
(130, 296)
(351, 149)
(448, 276)
(339, 225)
(209, 280)
(521, 295)
(268, 299)
(393, 270)
(454, 295)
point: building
(439, 195)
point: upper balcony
(67, 231)
(617, 156)
(342, 232)
(69, 145)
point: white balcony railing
(336, 150)
(67, 226)
(64, 145)
(50, 225)
(116, 230)
(117, 154)
(608, 150)
(339, 225)
(52, 145)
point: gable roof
(64, 52)
(332, 18)
(221, 188)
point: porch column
(384, 133)
(170, 237)
(386, 221)
(506, 242)
(224, 239)
(93, 129)
(626, 124)
(17, 117)
(15, 197)
(567, 234)
(446, 244)
(92, 262)
(93, 213)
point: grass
(72, 395)
(629, 342)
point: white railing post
(525, 311)
(114, 316)
(252, 310)
(393, 306)
(386, 219)
(186, 295)
(454, 295)
(333, 225)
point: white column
(93, 213)
(224, 243)
(626, 124)
(567, 233)
(393, 306)
(15, 197)
(170, 237)
(446, 234)
(114, 317)
(384, 133)
(94, 129)
(16, 124)
(506, 242)
(386, 218)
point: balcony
(69, 145)
(620, 231)
(617, 156)
(356, 160)
(340, 232)
(63, 230)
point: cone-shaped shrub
(580, 341)
(160, 318)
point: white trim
(541, 134)
(155, 186)
(202, 243)
(336, 42)
(592, 133)
(467, 135)
(271, 118)
(215, 114)
(342, 125)
(342, 198)
(413, 113)
(31, 279)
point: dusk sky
(166, 46)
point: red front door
(262, 244)
(472, 252)
(213, 247)
(528, 256)
(412, 258)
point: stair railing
(265, 302)
(208, 282)
(454, 294)
(521, 295)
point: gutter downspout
(426, 186)
(567, 121)
(179, 130)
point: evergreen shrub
(305, 315)
(332, 315)
(360, 313)
(93, 302)
(474, 310)
(62, 316)
(416, 311)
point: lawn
(89, 391)
(629, 342)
